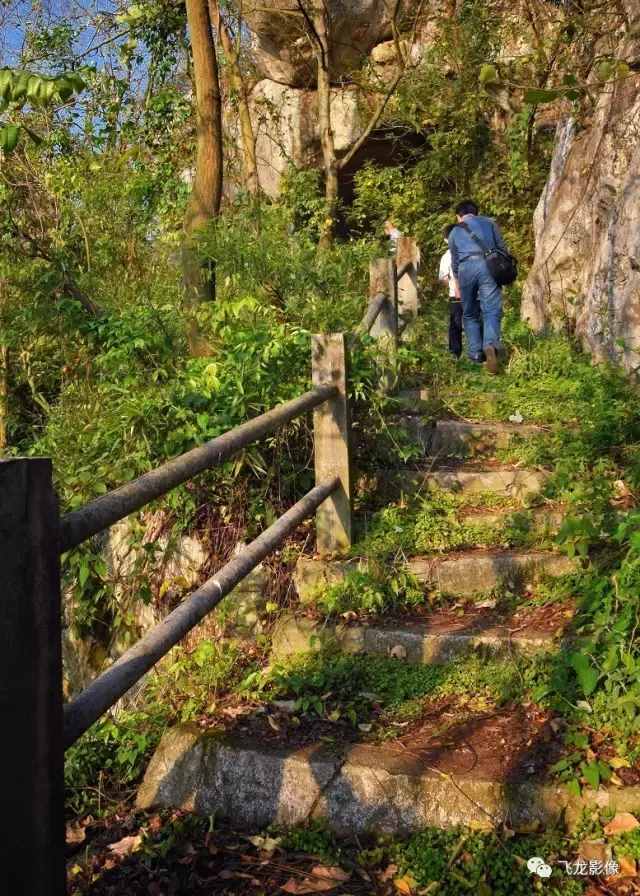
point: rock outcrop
(282, 51)
(286, 128)
(283, 102)
(586, 272)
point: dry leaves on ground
(621, 823)
(321, 879)
(125, 846)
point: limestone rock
(282, 51)
(586, 272)
(286, 127)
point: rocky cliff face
(282, 52)
(586, 272)
(283, 102)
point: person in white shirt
(445, 275)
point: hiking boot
(491, 355)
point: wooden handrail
(96, 699)
(32, 537)
(77, 526)
(374, 308)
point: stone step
(465, 573)
(434, 639)
(456, 438)
(508, 482)
(463, 439)
(466, 778)
(479, 571)
(545, 519)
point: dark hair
(448, 230)
(466, 207)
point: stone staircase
(484, 767)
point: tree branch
(403, 62)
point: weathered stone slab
(471, 572)
(479, 571)
(418, 644)
(300, 634)
(412, 641)
(543, 520)
(456, 438)
(511, 483)
(312, 574)
(365, 788)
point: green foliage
(269, 252)
(460, 861)
(379, 591)
(465, 153)
(109, 760)
(23, 88)
(442, 521)
(314, 839)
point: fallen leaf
(619, 762)
(265, 844)
(75, 833)
(321, 879)
(405, 884)
(125, 846)
(616, 779)
(594, 851)
(272, 722)
(622, 822)
(627, 866)
(288, 706)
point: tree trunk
(206, 190)
(247, 136)
(330, 162)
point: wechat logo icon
(538, 866)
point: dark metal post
(31, 754)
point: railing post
(32, 841)
(332, 437)
(408, 258)
(382, 278)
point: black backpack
(502, 266)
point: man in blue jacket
(481, 296)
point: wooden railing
(38, 728)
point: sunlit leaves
(20, 88)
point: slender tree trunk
(247, 135)
(206, 190)
(322, 51)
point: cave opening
(387, 147)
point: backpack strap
(476, 238)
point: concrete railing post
(32, 842)
(332, 437)
(408, 262)
(382, 278)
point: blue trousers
(481, 306)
